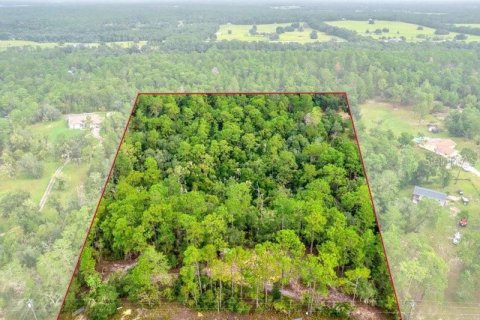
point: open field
(241, 33)
(396, 29)
(36, 187)
(4, 44)
(75, 176)
(24, 43)
(398, 119)
(470, 25)
(53, 130)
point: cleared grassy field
(4, 44)
(396, 29)
(24, 43)
(241, 33)
(36, 187)
(398, 119)
(54, 129)
(470, 25)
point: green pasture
(397, 29)
(4, 44)
(241, 33)
(36, 187)
(470, 25)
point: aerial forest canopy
(223, 202)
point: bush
(442, 32)
(243, 307)
(339, 310)
(208, 300)
(30, 166)
(232, 304)
(276, 294)
(102, 302)
(274, 37)
(281, 307)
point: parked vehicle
(457, 238)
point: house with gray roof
(419, 193)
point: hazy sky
(282, 2)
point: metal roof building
(420, 192)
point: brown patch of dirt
(106, 268)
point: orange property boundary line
(339, 93)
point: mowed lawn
(241, 33)
(397, 29)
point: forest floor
(169, 310)
(176, 311)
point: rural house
(442, 147)
(419, 193)
(82, 120)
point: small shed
(419, 193)
(84, 120)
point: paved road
(57, 172)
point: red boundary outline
(377, 220)
(132, 109)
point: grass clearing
(36, 187)
(396, 29)
(241, 32)
(5, 44)
(53, 130)
(469, 25)
(386, 115)
(75, 175)
(24, 43)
